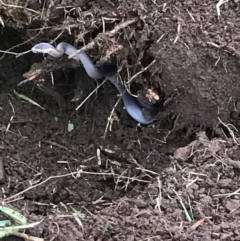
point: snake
(133, 105)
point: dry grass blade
(159, 198)
(79, 106)
(21, 96)
(183, 206)
(78, 174)
(111, 118)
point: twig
(230, 130)
(79, 106)
(237, 192)
(141, 71)
(159, 194)
(142, 168)
(18, 45)
(78, 173)
(11, 119)
(178, 32)
(110, 117)
(110, 33)
(55, 144)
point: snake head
(43, 48)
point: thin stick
(230, 130)
(112, 32)
(237, 192)
(18, 45)
(141, 71)
(90, 94)
(70, 174)
(110, 117)
(159, 194)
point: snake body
(131, 103)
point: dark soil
(120, 183)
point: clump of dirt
(91, 179)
